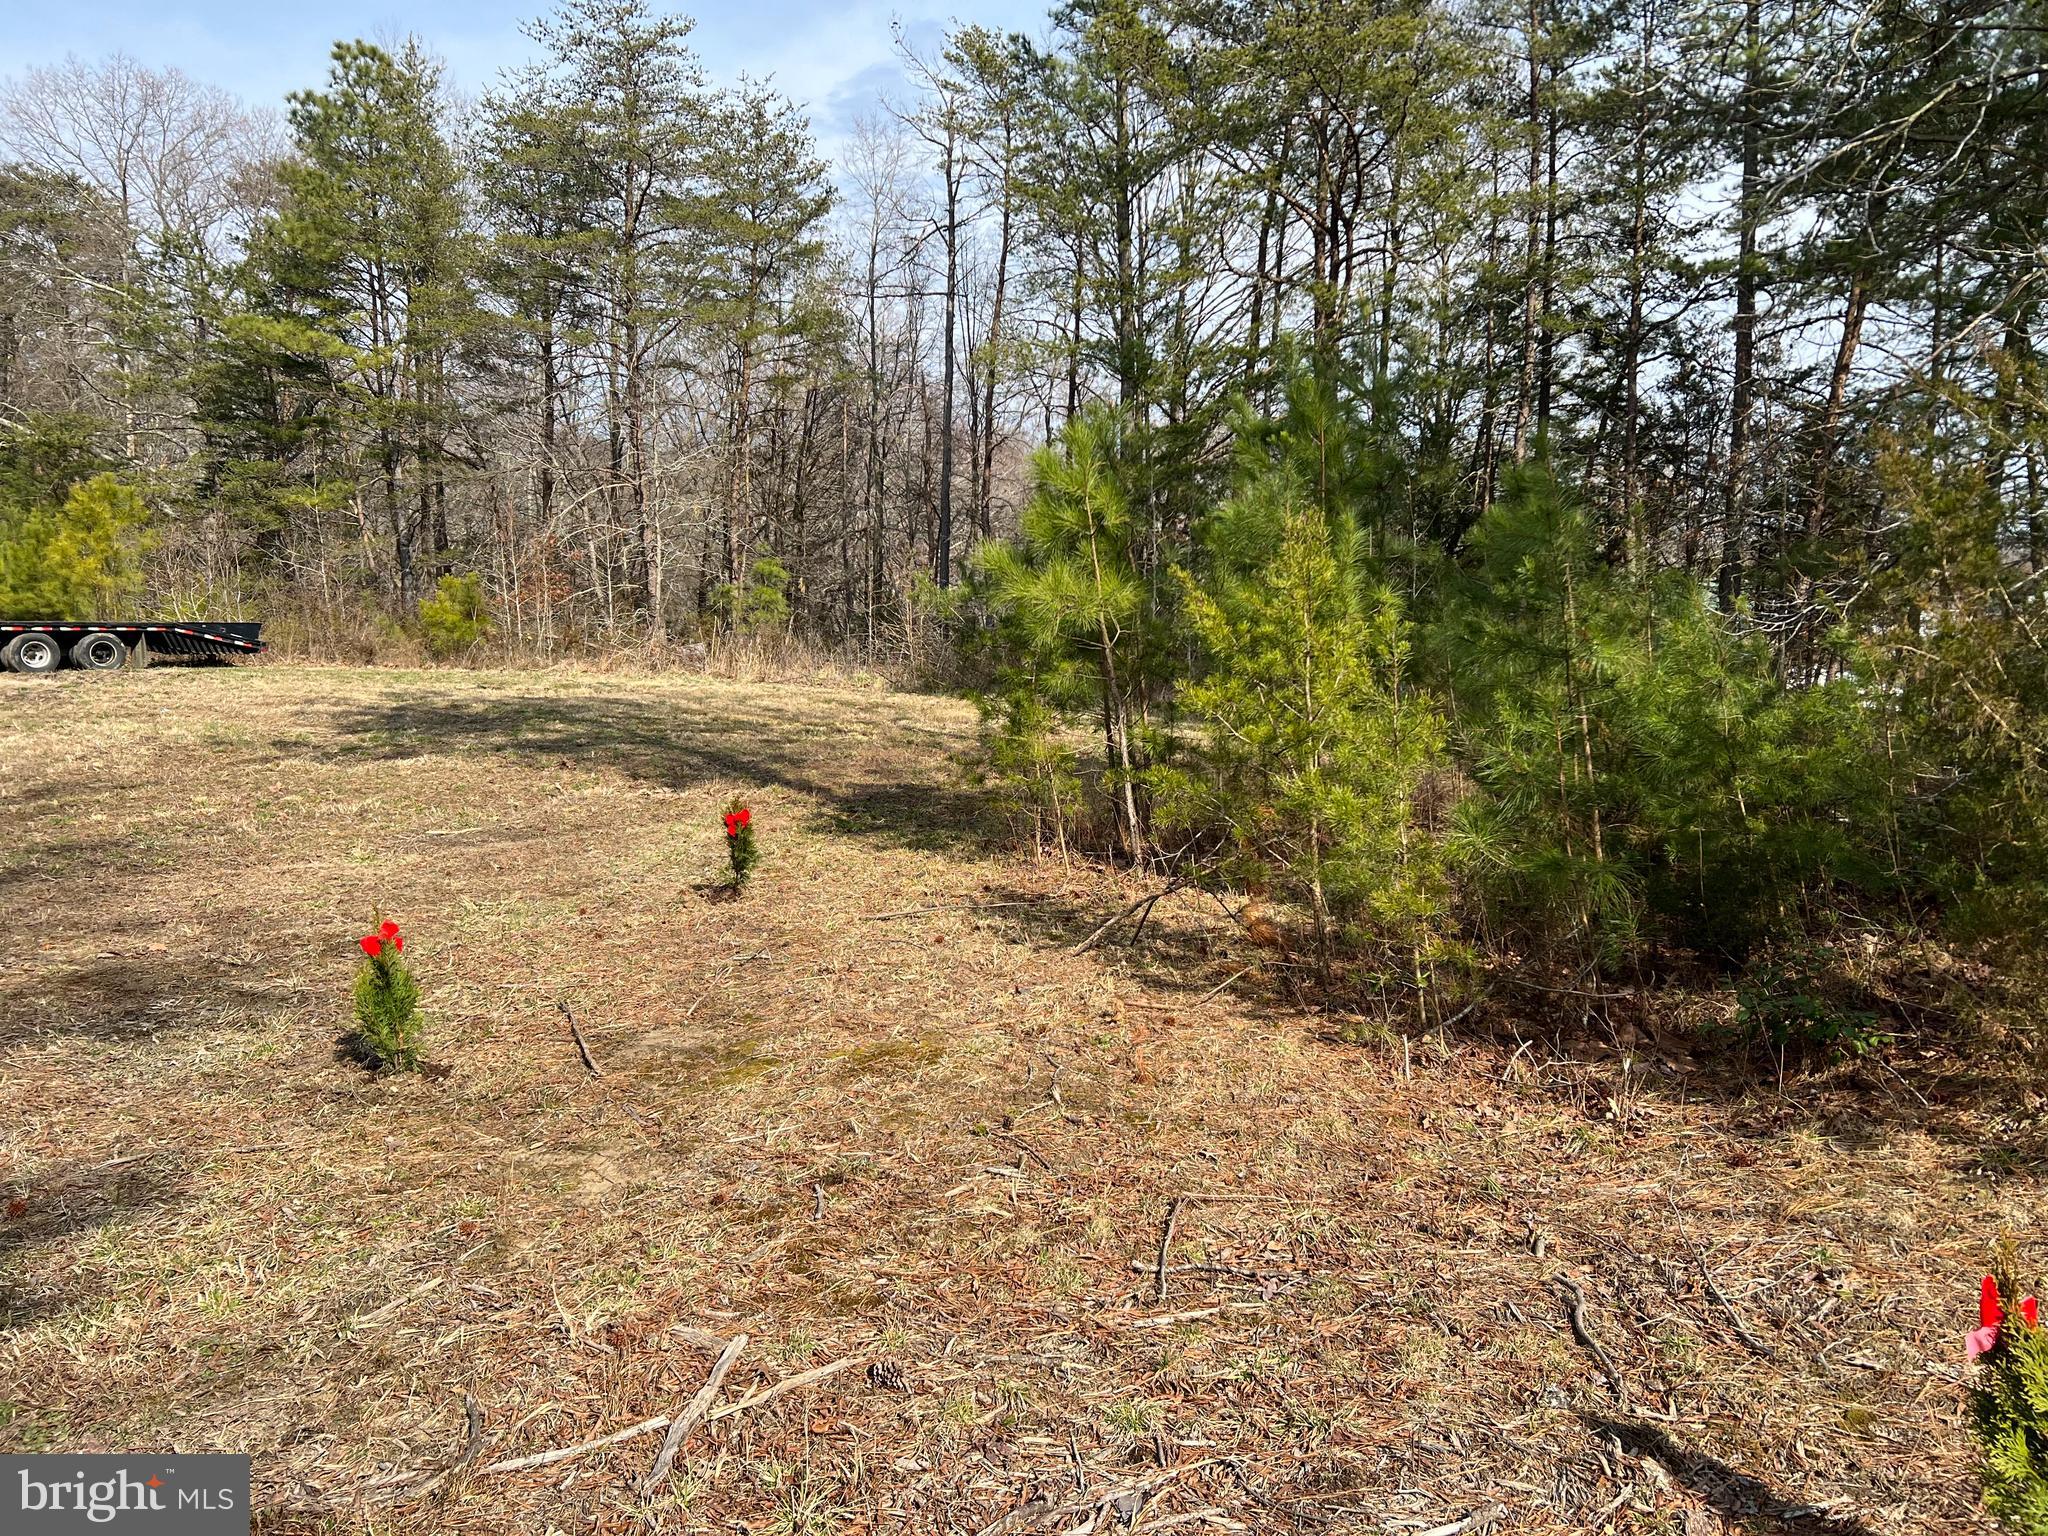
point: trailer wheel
(99, 652)
(35, 653)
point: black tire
(35, 653)
(99, 652)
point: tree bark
(1742, 395)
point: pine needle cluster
(388, 1029)
(2009, 1410)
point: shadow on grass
(1746, 1501)
(69, 1199)
(1188, 946)
(117, 997)
(1605, 1053)
(677, 743)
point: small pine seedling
(2009, 1405)
(739, 841)
(388, 1025)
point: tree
(539, 192)
(1071, 588)
(1315, 748)
(364, 275)
(942, 124)
(996, 71)
(70, 531)
(766, 198)
(644, 120)
(1959, 630)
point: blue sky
(834, 58)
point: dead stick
(687, 1419)
(1165, 1246)
(1479, 1519)
(1025, 1147)
(564, 1452)
(1147, 902)
(769, 1394)
(1168, 1319)
(983, 906)
(1219, 987)
(1741, 1328)
(1714, 1290)
(1582, 1330)
(582, 1045)
(1043, 1508)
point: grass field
(1097, 1241)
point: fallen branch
(1214, 1515)
(432, 1283)
(405, 1487)
(136, 1157)
(582, 1045)
(1478, 1520)
(1040, 1509)
(1168, 1319)
(564, 1452)
(984, 906)
(1213, 991)
(769, 1394)
(687, 1420)
(472, 1444)
(1741, 1328)
(1146, 902)
(1165, 1247)
(1025, 1147)
(1146, 1267)
(1582, 1330)
(1699, 1254)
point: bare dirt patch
(1101, 1254)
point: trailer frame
(43, 646)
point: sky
(835, 59)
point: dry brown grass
(936, 1142)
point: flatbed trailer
(42, 646)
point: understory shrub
(759, 602)
(456, 619)
(1642, 766)
(1793, 998)
(1523, 731)
(1029, 762)
(1959, 654)
(1076, 616)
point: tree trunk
(942, 541)
(1532, 279)
(986, 511)
(1742, 395)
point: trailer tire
(99, 651)
(35, 653)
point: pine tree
(1959, 646)
(2009, 1409)
(361, 289)
(1071, 591)
(388, 1029)
(71, 532)
(644, 121)
(1315, 752)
